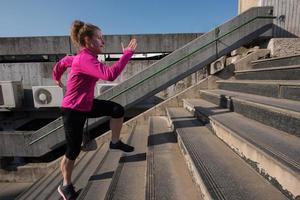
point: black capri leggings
(74, 122)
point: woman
(79, 104)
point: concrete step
(129, 179)
(167, 173)
(276, 62)
(46, 187)
(101, 177)
(286, 89)
(281, 114)
(221, 173)
(291, 72)
(29, 172)
(10, 191)
(273, 153)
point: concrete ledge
(35, 45)
(272, 73)
(266, 114)
(63, 45)
(287, 89)
(284, 46)
(33, 171)
(276, 62)
(245, 62)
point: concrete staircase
(226, 143)
(258, 119)
(237, 141)
(242, 29)
(156, 170)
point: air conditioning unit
(102, 87)
(218, 65)
(11, 94)
(47, 96)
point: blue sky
(53, 17)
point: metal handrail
(181, 59)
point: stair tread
(130, 183)
(87, 161)
(285, 145)
(289, 105)
(11, 190)
(272, 59)
(81, 178)
(225, 174)
(102, 176)
(269, 69)
(172, 179)
(272, 82)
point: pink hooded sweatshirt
(86, 70)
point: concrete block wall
(286, 11)
(148, 43)
(280, 47)
(40, 73)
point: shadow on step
(162, 138)
(133, 158)
(105, 175)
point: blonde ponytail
(80, 29)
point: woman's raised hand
(132, 44)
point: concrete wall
(31, 74)
(147, 43)
(40, 73)
(280, 47)
(246, 4)
(36, 74)
(287, 23)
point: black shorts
(74, 122)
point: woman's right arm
(93, 67)
(99, 70)
(60, 67)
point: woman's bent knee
(72, 154)
(118, 111)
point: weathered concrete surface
(31, 74)
(287, 21)
(284, 46)
(10, 191)
(244, 63)
(29, 172)
(246, 4)
(190, 64)
(273, 153)
(216, 163)
(287, 89)
(276, 62)
(35, 45)
(273, 73)
(173, 178)
(184, 61)
(263, 109)
(147, 43)
(37, 74)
